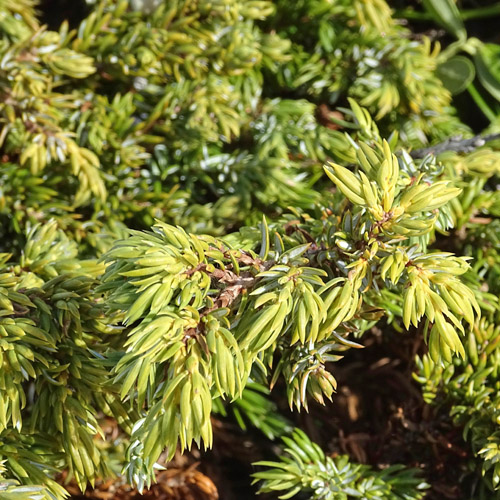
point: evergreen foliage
(203, 200)
(306, 468)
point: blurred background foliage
(200, 113)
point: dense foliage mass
(201, 200)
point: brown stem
(456, 144)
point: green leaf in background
(456, 73)
(487, 61)
(446, 13)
